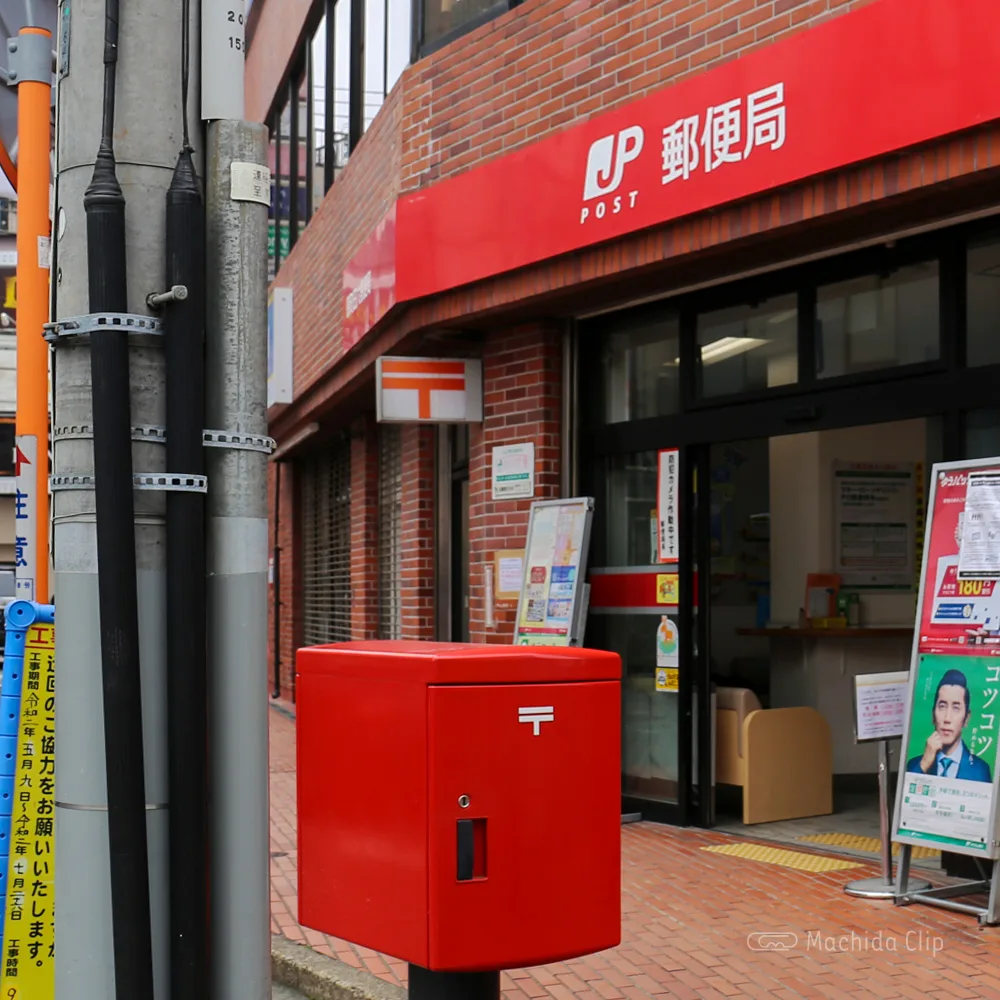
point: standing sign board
(555, 564)
(946, 795)
(880, 706)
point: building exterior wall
(522, 394)
(545, 66)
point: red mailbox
(459, 805)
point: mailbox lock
(463, 801)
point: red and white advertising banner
(888, 76)
(369, 286)
(961, 601)
(429, 390)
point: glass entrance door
(635, 604)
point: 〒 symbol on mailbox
(536, 716)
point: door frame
(841, 409)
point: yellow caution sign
(29, 945)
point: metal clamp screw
(156, 300)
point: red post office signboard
(369, 287)
(888, 76)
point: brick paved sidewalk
(686, 917)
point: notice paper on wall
(880, 705)
(514, 471)
(979, 553)
(875, 519)
(667, 655)
(509, 569)
(667, 489)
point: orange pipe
(7, 166)
(33, 131)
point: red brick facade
(542, 67)
(522, 392)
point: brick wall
(550, 63)
(279, 29)
(543, 66)
(287, 614)
(364, 528)
(363, 193)
(522, 392)
(417, 540)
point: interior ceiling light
(728, 347)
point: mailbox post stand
(427, 985)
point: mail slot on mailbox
(459, 805)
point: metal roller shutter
(326, 546)
(390, 517)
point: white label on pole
(223, 55)
(25, 516)
(250, 182)
(44, 252)
(514, 471)
(880, 705)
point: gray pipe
(148, 120)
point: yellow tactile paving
(786, 859)
(858, 843)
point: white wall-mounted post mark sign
(536, 716)
(429, 390)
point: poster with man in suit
(951, 750)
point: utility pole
(147, 138)
(237, 194)
(31, 73)
(236, 375)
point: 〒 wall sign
(771, 118)
(429, 390)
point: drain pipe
(104, 205)
(276, 583)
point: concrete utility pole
(237, 193)
(236, 379)
(148, 136)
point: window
(748, 347)
(983, 286)
(441, 21)
(878, 321)
(387, 50)
(982, 434)
(278, 233)
(631, 506)
(642, 371)
(325, 488)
